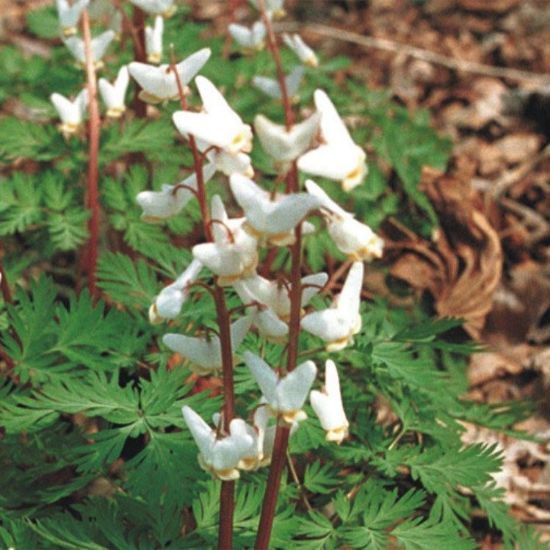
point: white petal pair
(271, 88)
(249, 39)
(165, 8)
(338, 324)
(168, 303)
(99, 46)
(339, 158)
(328, 406)
(70, 112)
(159, 83)
(69, 15)
(285, 395)
(113, 94)
(305, 54)
(271, 218)
(274, 8)
(159, 205)
(153, 40)
(220, 456)
(205, 354)
(233, 254)
(218, 125)
(286, 145)
(352, 237)
(276, 296)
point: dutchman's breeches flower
(70, 112)
(285, 396)
(352, 237)
(159, 83)
(204, 353)
(99, 46)
(153, 40)
(250, 40)
(338, 158)
(113, 94)
(337, 325)
(271, 88)
(268, 218)
(166, 8)
(69, 15)
(305, 54)
(328, 406)
(220, 455)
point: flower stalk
(227, 492)
(93, 151)
(138, 41)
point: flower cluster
(319, 145)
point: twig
(296, 479)
(138, 29)
(93, 175)
(418, 53)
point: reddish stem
(227, 501)
(93, 174)
(283, 431)
(4, 284)
(137, 27)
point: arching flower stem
(227, 493)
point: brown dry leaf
(490, 365)
(462, 265)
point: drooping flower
(113, 94)
(219, 455)
(328, 406)
(285, 395)
(275, 8)
(305, 54)
(153, 40)
(233, 254)
(338, 158)
(271, 88)
(250, 40)
(338, 324)
(284, 145)
(70, 112)
(159, 205)
(159, 83)
(205, 353)
(276, 295)
(218, 125)
(271, 218)
(166, 8)
(352, 237)
(99, 46)
(168, 303)
(69, 15)
(227, 163)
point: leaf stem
(227, 500)
(283, 430)
(137, 26)
(93, 174)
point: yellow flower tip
(230, 474)
(340, 344)
(279, 14)
(153, 58)
(149, 98)
(69, 31)
(154, 317)
(337, 435)
(290, 417)
(312, 61)
(115, 112)
(169, 12)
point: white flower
(328, 406)
(113, 94)
(159, 83)
(153, 40)
(165, 8)
(220, 456)
(69, 15)
(233, 254)
(99, 46)
(338, 324)
(70, 112)
(339, 158)
(159, 205)
(305, 54)
(286, 145)
(276, 296)
(218, 125)
(285, 396)
(230, 164)
(251, 40)
(263, 318)
(168, 303)
(205, 353)
(269, 217)
(352, 237)
(271, 88)
(274, 8)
